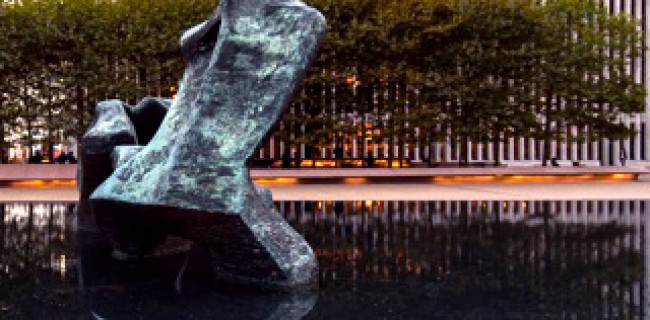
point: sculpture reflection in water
(576, 259)
(190, 180)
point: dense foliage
(390, 71)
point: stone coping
(18, 172)
(443, 172)
(554, 191)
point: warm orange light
(43, 184)
(395, 163)
(532, 179)
(368, 205)
(464, 179)
(355, 180)
(276, 181)
(347, 162)
(319, 163)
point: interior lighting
(276, 181)
(355, 181)
(532, 179)
(43, 184)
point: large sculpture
(191, 178)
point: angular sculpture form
(191, 179)
(116, 124)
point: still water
(378, 260)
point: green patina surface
(242, 68)
(230, 96)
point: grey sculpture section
(116, 124)
(243, 65)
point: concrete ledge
(579, 191)
(18, 172)
(444, 172)
(638, 164)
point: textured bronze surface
(190, 179)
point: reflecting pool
(378, 260)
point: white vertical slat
(375, 150)
(385, 148)
(574, 143)
(407, 151)
(584, 147)
(490, 151)
(646, 75)
(396, 149)
(417, 147)
(553, 148)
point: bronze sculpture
(191, 178)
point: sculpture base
(257, 248)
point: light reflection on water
(35, 236)
(493, 259)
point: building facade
(511, 149)
(368, 141)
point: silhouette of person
(62, 158)
(71, 158)
(36, 158)
(554, 162)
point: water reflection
(575, 259)
(34, 236)
(580, 259)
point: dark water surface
(378, 260)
